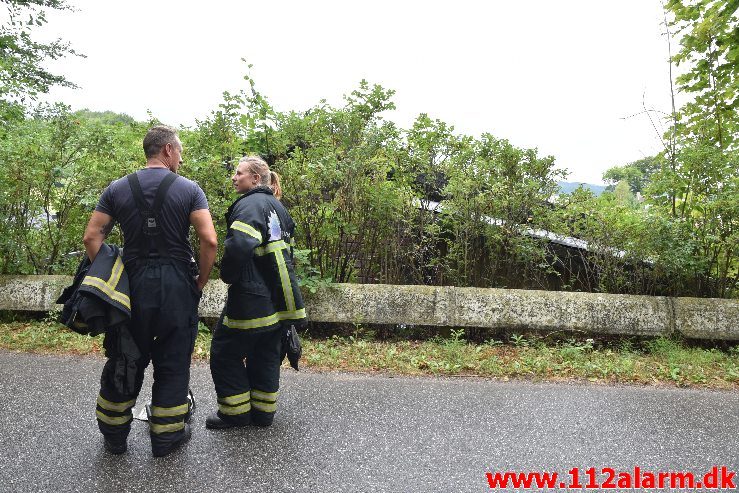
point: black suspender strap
(162, 192)
(150, 215)
(138, 195)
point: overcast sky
(562, 76)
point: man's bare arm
(98, 228)
(203, 224)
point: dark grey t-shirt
(183, 197)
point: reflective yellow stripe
(264, 396)
(115, 406)
(287, 288)
(115, 275)
(293, 315)
(251, 323)
(271, 247)
(264, 401)
(277, 247)
(108, 287)
(163, 412)
(113, 420)
(255, 323)
(168, 428)
(265, 407)
(98, 283)
(233, 400)
(234, 410)
(246, 228)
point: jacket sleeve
(247, 231)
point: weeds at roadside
(660, 361)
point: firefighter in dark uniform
(263, 300)
(155, 208)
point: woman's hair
(267, 178)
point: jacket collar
(259, 189)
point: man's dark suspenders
(150, 215)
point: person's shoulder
(117, 183)
(258, 198)
(261, 194)
(248, 204)
(188, 184)
(244, 201)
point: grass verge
(651, 362)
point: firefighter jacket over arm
(98, 301)
(257, 263)
(99, 296)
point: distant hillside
(107, 117)
(570, 186)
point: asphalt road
(356, 433)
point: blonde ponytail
(274, 184)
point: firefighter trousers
(246, 372)
(164, 325)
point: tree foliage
(53, 167)
(637, 174)
(692, 188)
(709, 43)
(22, 75)
(377, 203)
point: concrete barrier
(460, 307)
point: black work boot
(115, 448)
(215, 422)
(161, 451)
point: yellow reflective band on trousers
(118, 407)
(247, 229)
(234, 410)
(233, 400)
(255, 323)
(263, 406)
(165, 412)
(108, 287)
(113, 420)
(264, 396)
(168, 428)
(264, 401)
(234, 404)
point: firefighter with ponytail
(263, 300)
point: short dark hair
(156, 138)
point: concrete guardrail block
(459, 307)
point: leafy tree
(53, 167)
(710, 49)
(22, 76)
(336, 162)
(497, 192)
(623, 195)
(637, 174)
(697, 182)
(361, 191)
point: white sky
(561, 76)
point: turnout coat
(98, 298)
(257, 263)
(98, 301)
